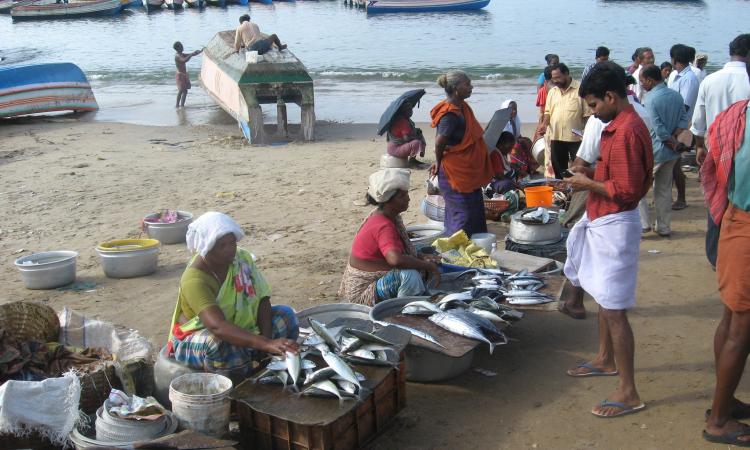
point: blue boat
(414, 6)
(49, 9)
(42, 88)
(126, 4)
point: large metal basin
(534, 233)
(332, 311)
(422, 364)
(47, 270)
(129, 264)
(168, 233)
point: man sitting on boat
(248, 35)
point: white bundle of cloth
(48, 407)
(603, 258)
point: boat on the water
(131, 3)
(412, 6)
(153, 4)
(240, 82)
(174, 4)
(49, 9)
(6, 5)
(42, 88)
(219, 3)
(195, 3)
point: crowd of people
(612, 136)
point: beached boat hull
(43, 88)
(45, 11)
(240, 87)
(412, 6)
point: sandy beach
(71, 184)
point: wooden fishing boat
(240, 86)
(151, 5)
(195, 3)
(411, 6)
(49, 9)
(5, 6)
(42, 88)
(131, 3)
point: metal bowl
(423, 364)
(425, 234)
(168, 233)
(47, 270)
(330, 312)
(130, 263)
(534, 233)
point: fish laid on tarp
(367, 337)
(460, 326)
(341, 367)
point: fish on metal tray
(460, 326)
(414, 332)
(320, 374)
(420, 307)
(367, 337)
(325, 334)
(350, 344)
(341, 367)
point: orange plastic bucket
(538, 196)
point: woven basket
(495, 207)
(25, 321)
(96, 385)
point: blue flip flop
(625, 409)
(593, 371)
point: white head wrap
(385, 182)
(203, 233)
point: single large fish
(321, 374)
(418, 333)
(326, 335)
(293, 366)
(460, 326)
(341, 368)
(367, 337)
(481, 322)
(489, 315)
(323, 387)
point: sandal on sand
(592, 371)
(624, 409)
(740, 411)
(676, 206)
(563, 308)
(731, 438)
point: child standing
(181, 77)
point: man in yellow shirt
(565, 114)
(248, 35)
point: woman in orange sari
(462, 162)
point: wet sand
(70, 184)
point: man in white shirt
(717, 92)
(646, 57)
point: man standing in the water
(181, 77)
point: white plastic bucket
(201, 402)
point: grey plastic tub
(47, 270)
(129, 264)
(168, 233)
(422, 364)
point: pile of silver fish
(463, 315)
(521, 288)
(337, 379)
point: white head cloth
(203, 233)
(385, 182)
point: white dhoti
(603, 258)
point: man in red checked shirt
(603, 247)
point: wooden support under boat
(240, 86)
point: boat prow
(43, 88)
(240, 86)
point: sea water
(361, 62)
